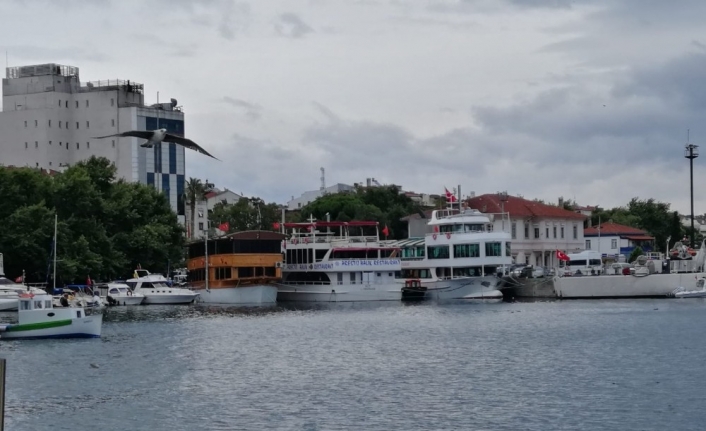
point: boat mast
(205, 249)
(56, 218)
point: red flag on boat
(436, 228)
(310, 228)
(88, 281)
(561, 256)
(224, 227)
(385, 231)
(275, 225)
(450, 197)
(18, 279)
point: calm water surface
(563, 365)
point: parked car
(538, 272)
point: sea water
(559, 365)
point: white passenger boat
(156, 289)
(338, 262)
(38, 319)
(460, 258)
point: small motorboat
(699, 292)
(117, 293)
(37, 318)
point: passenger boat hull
(257, 294)
(8, 304)
(83, 327)
(339, 293)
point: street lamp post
(691, 152)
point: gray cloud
(292, 26)
(44, 54)
(253, 111)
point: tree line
(105, 228)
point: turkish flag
(224, 227)
(561, 256)
(449, 196)
(18, 279)
(386, 231)
(88, 281)
(275, 225)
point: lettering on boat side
(346, 263)
(366, 262)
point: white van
(587, 262)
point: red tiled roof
(210, 195)
(611, 228)
(519, 207)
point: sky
(589, 100)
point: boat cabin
(33, 308)
(238, 259)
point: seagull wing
(188, 143)
(143, 134)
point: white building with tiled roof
(613, 239)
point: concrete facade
(50, 120)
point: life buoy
(448, 235)
(434, 236)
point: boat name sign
(378, 263)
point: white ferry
(336, 261)
(460, 258)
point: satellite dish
(174, 103)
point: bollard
(2, 394)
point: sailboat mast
(56, 218)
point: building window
(113, 143)
(554, 231)
(613, 244)
(25, 123)
(77, 125)
(112, 102)
(77, 145)
(36, 123)
(588, 244)
(508, 249)
(36, 144)
(526, 231)
(66, 104)
(49, 123)
(576, 232)
(86, 103)
(49, 163)
(88, 145)
(77, 103)
(61, 144)
(514, 230)
(60, 124)
(562, 232)
(201, 226)
(536, 232)
(49, 142)
(112, 122)
(200, 214)
(88, 125)
(26, 146)
(59, 103)
(547, 233)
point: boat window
(508, 249)
(132, 284)
(78, 313)
(352, 277)
(413, 273)
(147, 285)
(47, 304)
(223, 273)
(24, 305)
(438, 252)
(114, 291)
(466, 250)
(37, 304)
(245, 272)
(493, 249)
(474, 227)
(160, 285)
(467, 272)
(270, 271)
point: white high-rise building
(50, 119)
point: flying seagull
(157, 136)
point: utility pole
(691, 152)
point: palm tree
(193, 192)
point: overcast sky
(590, 100)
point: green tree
(637, 252)
(193, 192)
